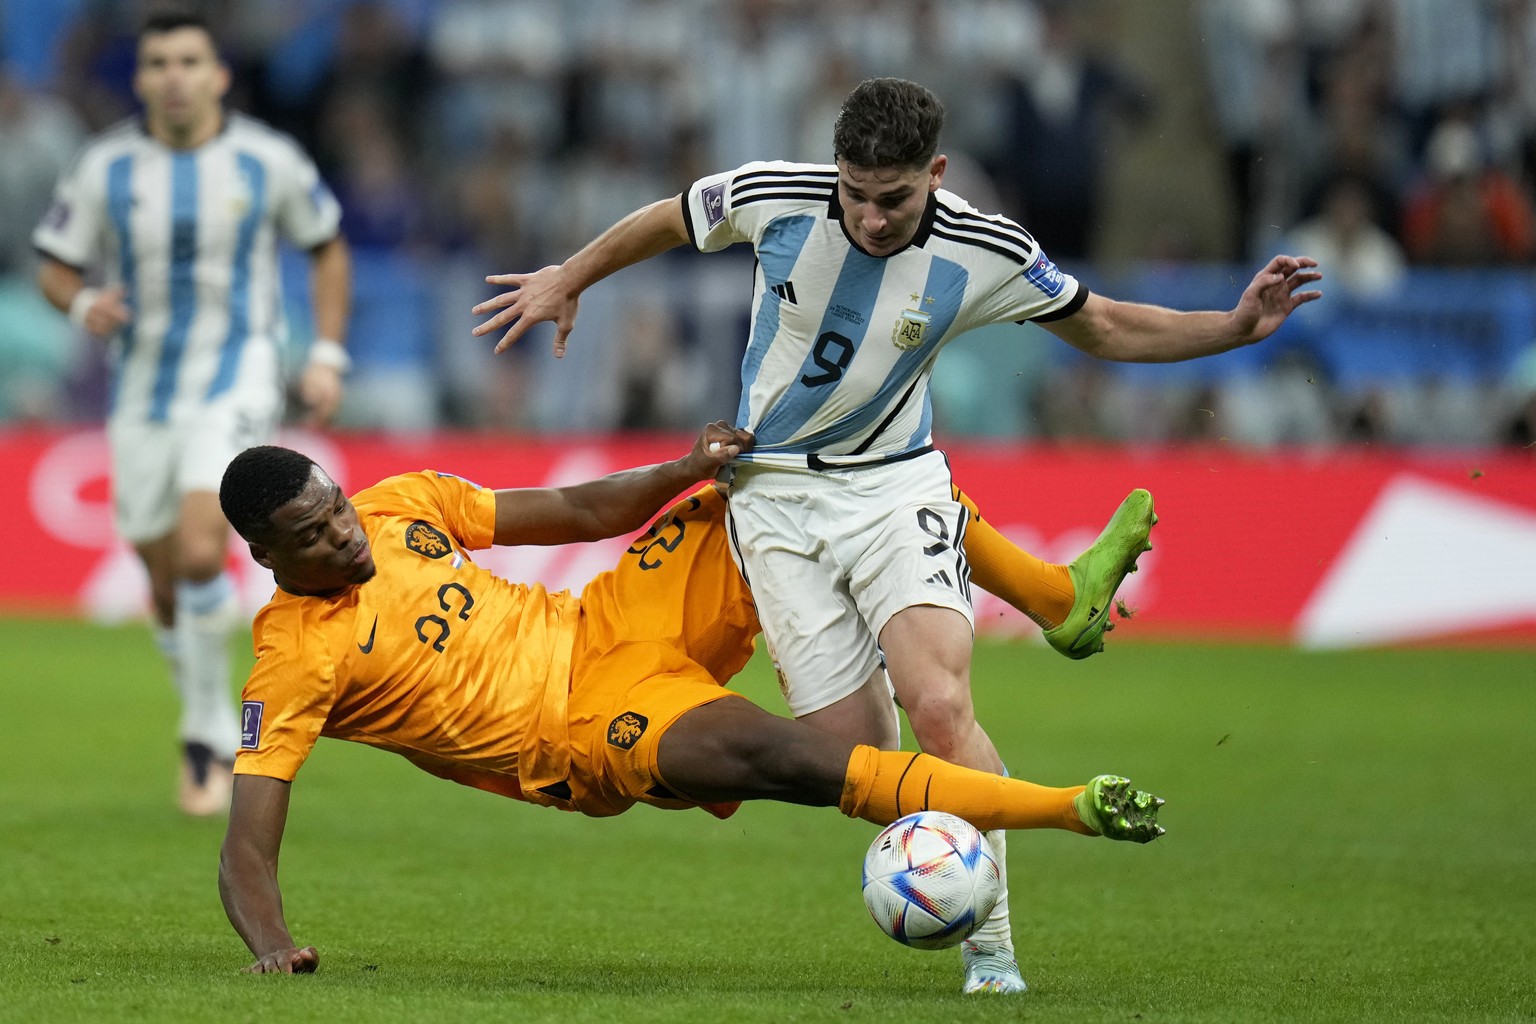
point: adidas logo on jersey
(786, 291)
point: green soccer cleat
(1114, 810)
(990, 969)
(1097, 574)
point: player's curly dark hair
(258, 482)
(888, 122)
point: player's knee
(200, 561)
(941, 722)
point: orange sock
(882, 785)
(1041, 590)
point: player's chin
(363, 571)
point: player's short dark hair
(257, 483)
(888, 122)
(170, 19)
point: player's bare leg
(868, 715)
(731, 749)
(194, 794)
(928, 656)
(204, 616)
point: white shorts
(832, 556)
(154, 465)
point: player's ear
(936, 172)
(261, 554)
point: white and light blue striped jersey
(843, 343)
(191, 235)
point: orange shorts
(661, 635)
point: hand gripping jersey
(842, 343)
(191, 235)
(435, 658)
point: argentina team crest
(426, 539)
(911, 328)
(240, 194)
(625, 731)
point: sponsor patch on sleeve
(714, 204)
(58, 216)
(1045, 275)
(320, 196)
(250, 724)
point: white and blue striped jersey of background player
(191, 236)
(843, 343)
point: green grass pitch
(1351, 838)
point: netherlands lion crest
(626, 730)
(426, 539)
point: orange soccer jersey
(471, 677)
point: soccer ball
(930, 880)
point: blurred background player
(181, 211)
(842, 514)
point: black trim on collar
(142, 122)
(919, 238)
(925, 226)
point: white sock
(205, 615)
(165, 639)
(998, 931)
(170, 649)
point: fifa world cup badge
(910, 328)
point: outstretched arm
(615, 504)
(1131, 332)
(554, 292)
(320, 385)
(248, 876)
(100, 311)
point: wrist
(695, 467)
(80, 305)
(330, 353)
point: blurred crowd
(1395, 140)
